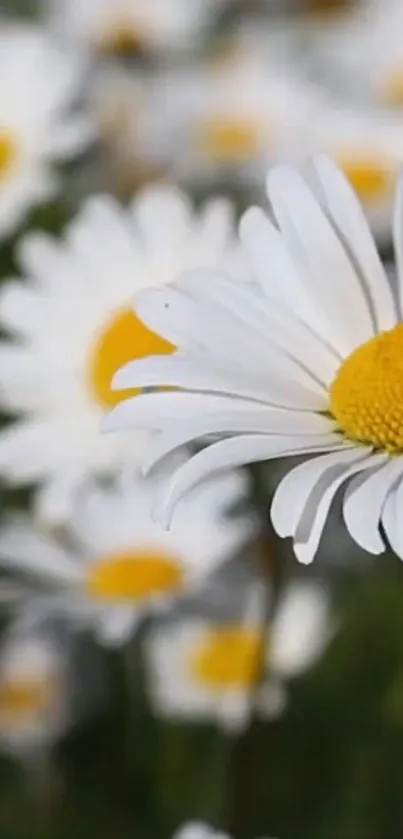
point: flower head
(310, 366)
(116, 562)
(130, 26)
(39, 83)
(72, 327)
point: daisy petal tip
(249, 219)
(303, 553)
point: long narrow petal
(310, 527)
(363, 503)
(237, 451)
(295, 489)
(346, 212)
(322, 260)
(253, 422)
(398, 239)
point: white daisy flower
(311, 366)
(132, 25)
(39, 83)
(198, 669)
(117, 563)
(33, 696)
(72, 327)
(363, 52)
(231, 117)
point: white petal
(364, 501)
(295, 489)
(349, 217)
(300, 629)
(274, 268)
(252, 422)
(117, 625)
(398, 239)
(312, 522)
(26, 549)
(206, 330)
(322, 259)
(391, 518)
(276, 324)
(236, 451)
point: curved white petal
(296, 487)
(268, 423)
(391, 517)
(349, 217)
(398, 239)
(312, 522)
(363, 503)
(322, 260)
(236, 451)
(203, 330)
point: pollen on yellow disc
(229, 141)
(228, 657)
(8, 152)
(22, 698)
(366, 397)
(132, 577)
(372, 179)
(123, 339)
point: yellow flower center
(229, 657)
(393, 89)
(325, 8)
(25, 698)
(366, 397)
(123, 339)
(133, 576)
(121, 38)
(372, 179)
(8, 152)
(229, 141)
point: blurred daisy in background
(72, 327)
(34, 698)
(115, 563)
(363, 54)
(312, 366)
(228, 118)
(224, 671)
(39, 84)
(133, 26)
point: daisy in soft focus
(33, 696)
(310, 367)
(202, 670)
(133, 26)
(115, 563)
(72, 326)
(363, 52)
(232, 116)
(38, 129)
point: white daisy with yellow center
(312, 366)
(38, 85)
(116, 563)
(202, 670)
(33, 699)
(130, 26)
(363, 52)
(72, 327)
(235, 114)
